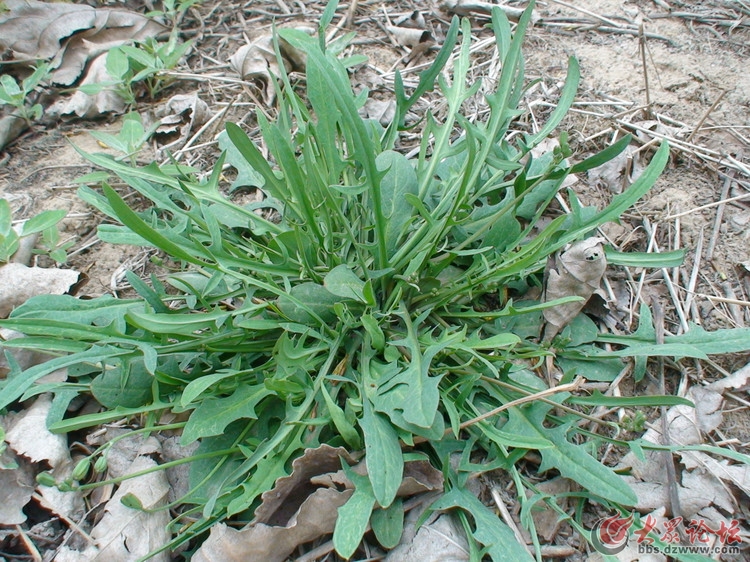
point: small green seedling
(131, 137)
(146, 63)
(139, 66)
(44, 224)
(15, 93)
(172, 9)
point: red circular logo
(610, 535)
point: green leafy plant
(16, 94)
(43, 225)
(144, 65)
(172, 9)
(131, 137)
(363, 303)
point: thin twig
(667, 279)
(707, 206)
(674, 498)
(697, 257)
(350, 13)
(505, 514)
(570, 387)
(734, 308)
(642, 49)
(30, 546)
(588, 13)
(705, 115)
(719, 218)
(69, 522)
(284, 8)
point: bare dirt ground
(661, 69)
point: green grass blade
(602, 157)
(645, 259)
(128, 217)
(567, 96)
(383, 454)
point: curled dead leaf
(68, 34)
(575, 271)
(547, 521)
(409, 36)
(617, 174)
(90, 106)
(11, 127)
(302, 507)
(439, 538)
(17, 484)
(382, 111)
(182, 113)
(125, 534)
(28, 436)
(279, 504)
(419, 477)
(294, 512)
(24, 357)
(316, 517)
(257, 61)
(474, 7)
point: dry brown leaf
(697, 489)
(179, 475)
(68, 554)
(126, 450)
(419, 477)
(184, 113)
(11, 127)
(294, 512)
(705, 482)
(257, 61)
(302, 507)
(474, 7)
(69, 34)
(279, 504)
(737, 474)
(575, 271)
(650, 130)
(546, 520)
(382, 111)
(409, 36)
(90, 106)
(24, 357)
(125, 534)
(685, 427)
(19, 283)
(621, 171)
(440, 539)
(17, 485)
(546, 146)
(316, 517)
(28, 435)
(617, 174)
(738, 380)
